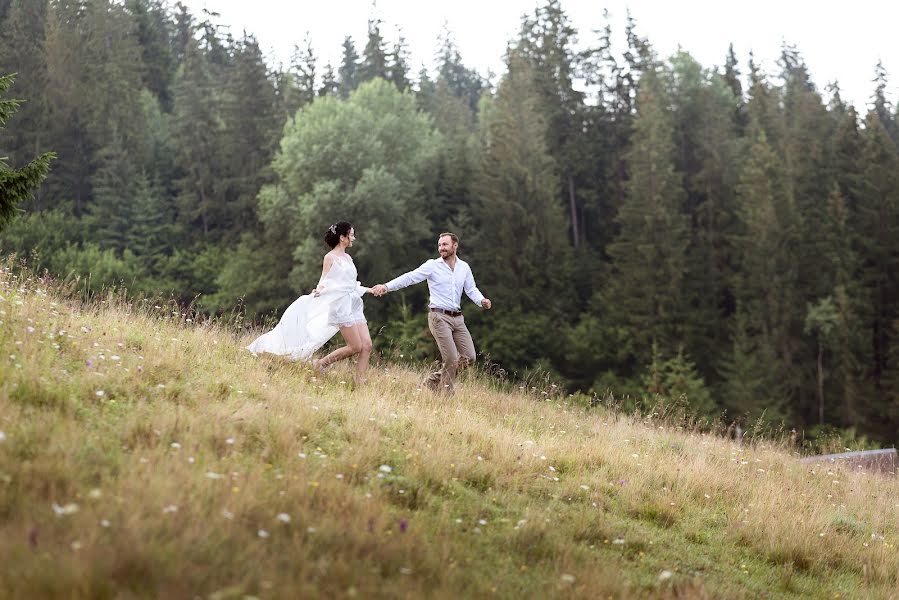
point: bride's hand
(316, 292)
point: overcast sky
(839, 40)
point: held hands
(486, 303)
(379, 290)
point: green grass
(194, 447)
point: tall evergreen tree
(22, 36)
(250, 128)
(154, 35)
(878, 218)
(114, 185)
(766, 284)
(644, 293)
(398, 65)
(707, 154)
(521, 241)
(348, 73)
(374, 56)
(547, 41)
(16, 184)
(196, 138)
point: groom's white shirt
(444, 284)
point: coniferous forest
(644, 224)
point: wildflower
(105, 523)
(404, 525)
(568, 578)
(310, 529)
(227, 514)
(482, 521)
(171, 508)
(385, 469)
(176, 445)
(211, 475)
(100, 393)
(262, 533)
(95, 494)
(283, 517)
(665, 575)
(2, 437)
(229, 441)
(69, 509)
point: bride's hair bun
(333, 233)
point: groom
(448, 276)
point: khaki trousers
(456, 349)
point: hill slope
(146, 456)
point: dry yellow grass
(143, 455)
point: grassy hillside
(143, 455)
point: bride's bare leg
(353, 346)
(364, 352)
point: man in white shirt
(448, 276)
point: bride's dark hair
(333, 233)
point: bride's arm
(326, 266)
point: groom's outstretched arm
(410, 278)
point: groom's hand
(379, 290)
(486, 303)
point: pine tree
(547, 41)
(374, 56)
(348, 75)
(398, 65)
(250, 128)
(882, 104)
(22, 35)
(196, 138)
(114, 188)
(644, 293)
(878, 227)
(154, 35)
(330, 86)
(732, 78)
(522, 240)
(707, 154)
(463, 82)
(17, 184)
(766, 283)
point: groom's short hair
(451, 236)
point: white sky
(839, 40)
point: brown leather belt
(452, 313)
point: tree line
(644, 224)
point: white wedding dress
(314, 319)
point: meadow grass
(143, 454)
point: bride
(334, 305)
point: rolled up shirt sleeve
(471, 289)
(411, 278)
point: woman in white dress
(334, 305)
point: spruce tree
(644, 291)
(522, 241)
(22, 35)
(16, 184)
(348, 73)
(374, 56)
